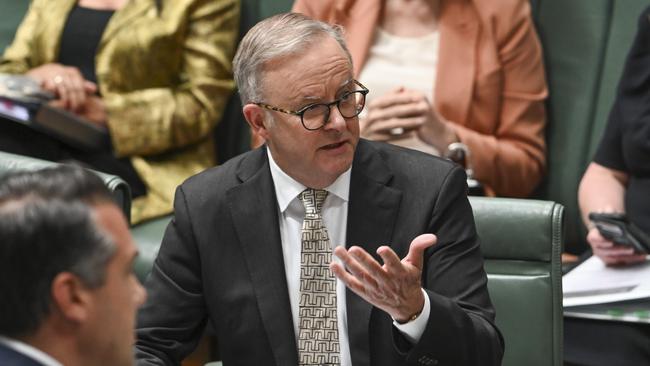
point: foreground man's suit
(221, 261)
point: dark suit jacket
(9, 357)
(221, 261)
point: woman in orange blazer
(489, 89)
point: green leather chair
(147, 236)
(118, 187)
(521, 242)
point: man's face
(110, 327)
(320, 74)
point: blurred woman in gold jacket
(157, 74)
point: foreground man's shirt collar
(29, 351)
(287, 188)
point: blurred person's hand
(66, 83)
(404, 110)
(94, 110)
(609, 252)
(390, 116)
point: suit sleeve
(460, 330)
(171, 322)
(511, 160)
(154, 120)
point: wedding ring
(396, 131)
(58, 79)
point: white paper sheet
(592, 282)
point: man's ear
(256, 118)
(71, 297)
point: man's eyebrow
(311, 98)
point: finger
(76, 88)
(49, 85)
(372, 294)
(391, 99)
(347, 278)
(625, 261)
(594, 236)
(398, 111)
(371, 267)
(62, 91)
(612, 258)
(415, 255)
(89, 87)
(387, 127)
(353, 266)
(392, 262)
(57, 103)
(616, 250)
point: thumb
(415, 255)
(90, 87)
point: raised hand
(394, 287)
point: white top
(29, 351)
(395, 61)
(291, 213)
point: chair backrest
(585, 43)
(118, 187)
(521, 244)
(10, 17)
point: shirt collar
(287, 188)
(30, 351)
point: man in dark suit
(250, 246)
(69, 294)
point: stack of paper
(592, 282)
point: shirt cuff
(413, 330)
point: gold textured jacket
(165, 75)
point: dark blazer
(9, 357)
(221, 261)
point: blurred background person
(69, 294)
(462, 79)
(618, 181)
(156, 74)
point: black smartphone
(617, 228)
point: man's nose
(140, 294)
(336, 121)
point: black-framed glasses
(315, 116)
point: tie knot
(313, 200)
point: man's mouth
(333, 146)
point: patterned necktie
(318, 341)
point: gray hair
(278, 36)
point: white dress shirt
(29, 351)
(291, 213)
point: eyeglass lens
(350, 105)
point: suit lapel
(372, 212)
(459, 32)
(130, 12)
(255, 215)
